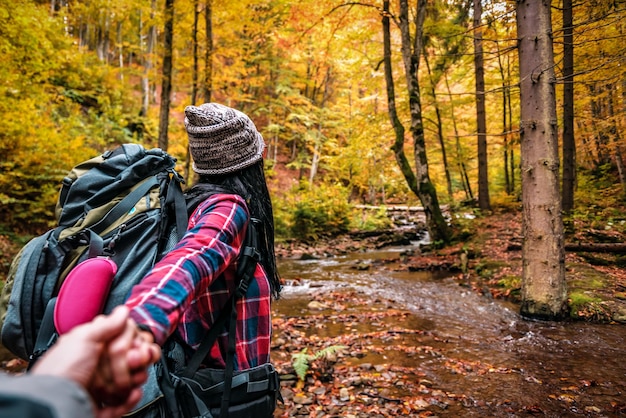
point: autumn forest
(501, 124)
(440, 104)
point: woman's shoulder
(222, 203)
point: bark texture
(484, 202)
(569, 144)
(166, 89)
(544, 290)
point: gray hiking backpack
(126, 204)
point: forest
(359, 103)
(505, 117)
(80, 77)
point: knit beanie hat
(221, 139)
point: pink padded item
(83, 293)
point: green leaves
(301, 361)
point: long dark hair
(250, 184)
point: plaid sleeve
(215, 234)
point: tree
(444, 44)
(146, 90)
(439, 126)
(501, 28)
(194, 53)
(569, 144)
(166, 83)
(481, 119)
(418, 182)
(208, 52)
(544, 290)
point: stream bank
(423, 343)
(489, 262)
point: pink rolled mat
(83, 293)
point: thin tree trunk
(505, 92)
(510, 129)
(442, 144)
(102, 48)
(146, 90)
(569, 144)
(317, 150)
(398, 128)
(544, 290)
(120, 51)
(411, 52)
(481, 121)
(194, 40)
(467, 187)
(507, 124)
(617, 142)
(208, 57)
(166, 89)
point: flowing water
(539, 368)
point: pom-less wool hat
(221, 139)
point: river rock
(316, 305)
(302, 400)
(344, 394)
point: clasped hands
(109, 357)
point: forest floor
(488, 262)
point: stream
(508, 364)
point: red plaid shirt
(188, 288)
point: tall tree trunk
(544, 290)
(481, 120)
(617, 141)
(510, 129)
(208, 57)
(411, 52)
(194, 40)
(506, 91)
(146, 90)
(398, 128)
(569, 144)
(103, 36)
(467, 187)
(444, 157)
(166, 89)
(120, 50)
(317, 148)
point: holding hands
(108, 357)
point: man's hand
(107, 357)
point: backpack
(126, 204)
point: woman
(186, 290)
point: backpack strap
(129, 201)
(245, 271)
(200, 192)
(248, 259)
(175, 200)
(47, 334)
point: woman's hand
(108, 356)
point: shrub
(319, 211)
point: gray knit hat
(221, 139)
